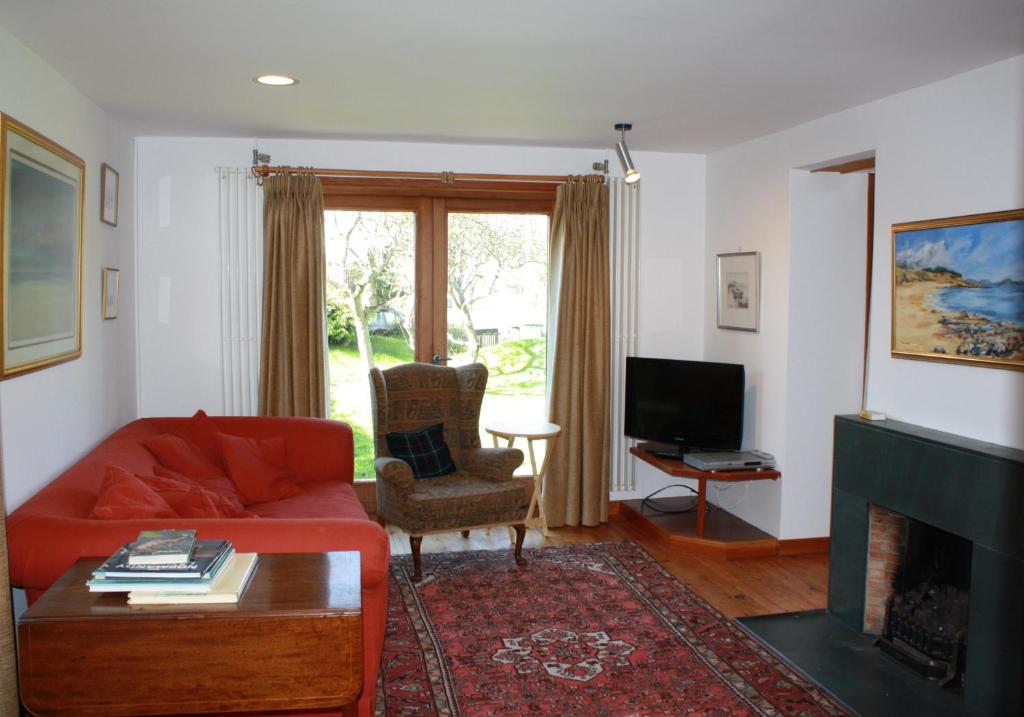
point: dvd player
(730, 460)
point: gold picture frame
(958, 290)
(110, 192)
(42, 193)
(111, 292)
(739, 290)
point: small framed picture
(110, 182)
(739, 280)
(111, 290)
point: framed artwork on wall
(41, 214)
(110, 185)
(958, 290)
(111, 292)
(739, 290)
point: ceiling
(692, 75)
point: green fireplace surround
(965, 487)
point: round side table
(531, 431)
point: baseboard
(804, 546)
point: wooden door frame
(431, 202)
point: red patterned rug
(594, 630)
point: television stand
(732, 536)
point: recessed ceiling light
(275, 80)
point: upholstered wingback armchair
(481, 492)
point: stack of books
(170, 566)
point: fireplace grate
(926, 629)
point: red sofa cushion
(181, 455)
(228, 500)
(319, 499)
(258, 467)
(191, 500)
(187, 500)
(201, 432)
(125, 497)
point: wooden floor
(747, 586)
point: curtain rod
(263, 170)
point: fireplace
(917, 594)
(927, 552)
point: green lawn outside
(515, 387)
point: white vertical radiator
(624, 238)
(241, 288)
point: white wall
(825, 361)
(179, 338)
(950, 148)
(52, 417)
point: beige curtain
(576, 487)
(292, 358)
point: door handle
(438, 359)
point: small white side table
(531, 431)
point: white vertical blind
(624, 237)
(241, 288)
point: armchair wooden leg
(520, 536)
(465, 533)
(414, 543)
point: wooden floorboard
(737, 588)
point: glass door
(497, 309)
(413, 276)
(371, 290)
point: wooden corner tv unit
(728, 537)
(293, 642)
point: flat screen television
(686, 405)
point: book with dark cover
(159, 583)
(204, 556)
(160, 547)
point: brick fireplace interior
(917, 594)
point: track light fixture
(628, 168)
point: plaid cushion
(424, 450)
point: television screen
(691, 404)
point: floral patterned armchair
(482, 491)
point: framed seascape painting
(738, 290)
(41, 213)
(958, 290)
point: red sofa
(53, 529)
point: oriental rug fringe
(598, 630)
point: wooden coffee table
(294, 641)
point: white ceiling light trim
(276, 80)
